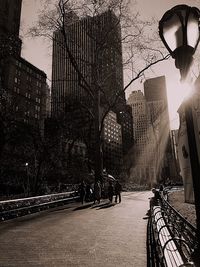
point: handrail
(28, 209)
(179, 215)
(180, 227)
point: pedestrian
(161, 189)
(118, 189)
(154, 201)
(82, 191)
(88, 193)
(97, 192)
(110, 191)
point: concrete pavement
(102, 235)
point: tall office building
(143, 170)
(10, 14)
(95, 44)
(156, 96)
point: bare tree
(122, 32)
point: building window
(28, 95)
(38, 92)
(37, 108)
(19, 64)
(38, 84)
(28, 78)
(17, 80)
(27, 113)
(18, 72)
(37, 99)
(16, 89)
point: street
(76, 235)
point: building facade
(156, 96)
(125, 119)
(10, 14)
(112, 145)
(24, 83)
(95, 63)
(143, 170)
(87, 67)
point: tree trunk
(97, 138)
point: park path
(103, 235)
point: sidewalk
(101, 235)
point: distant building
(144, 170)
(112, 145)
(48, 101)
(156, 96)
(24, 83)
(10, 13)
(125, 119)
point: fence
(171, 240)
(21, 207)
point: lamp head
(179, 31)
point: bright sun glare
(176, 93)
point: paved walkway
(102, 236)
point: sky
(38, 51)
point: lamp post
(180, 33)
(28, 182)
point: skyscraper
(95, 44)
(156, 96)
(87, 64)
(10, 14)
(143, 170)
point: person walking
(110, 191)
(118, 189)
(97, 192)
(82, 191)
(88, 193)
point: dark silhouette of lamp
(179, 31)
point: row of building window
(27, 113)
(112, 129)
(29, 70)
(29, 79)
(27, 95)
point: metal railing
(179, 227)
(17, 208)
(166, 226)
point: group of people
(88, 194)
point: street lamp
(180, 33)
(28, 182)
